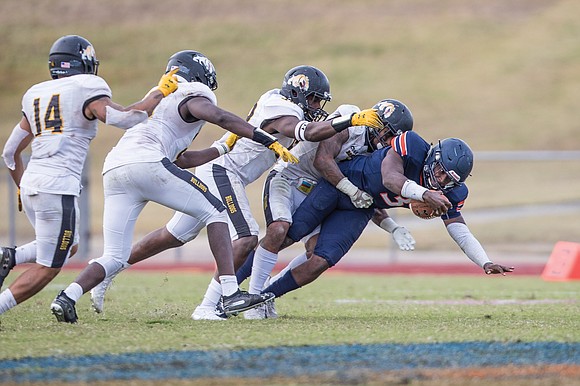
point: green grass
(151, 312)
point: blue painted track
(286, 361)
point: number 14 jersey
(62, 132)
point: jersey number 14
(52, 120)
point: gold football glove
(368, 117)
(283, 153)
(168, 82)
(19, 200)
(231, 141)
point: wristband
(221, 147)
(262, 137)
(346, 187)
(299, 130)
(341, 123)
(413, 190)
(389, 224)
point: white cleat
(271, 310)
(206, 313)
(256, 313)
(98, 292)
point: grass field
(150, 312)
(501, 75)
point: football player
(294, 112)
(408, 169)
(288, 185)
(141, 168)
(60, 118)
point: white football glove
(359, 198)
(403, 238)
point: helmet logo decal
(89, 53)
(387, 108)
(300, 81)
(205, 63)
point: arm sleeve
(460, 233)
(18, 134)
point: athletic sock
(229, 284)
(7, 301)
(264, 262)
(74, 291)
(283, 285)
(295, 262)
(212, 294)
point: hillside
(500, 75)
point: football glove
(19, 199)
(231, 141)
(283, 153)
(224, 147)
(168, 82)
(403, 238)
(359, 198)
(368, 117)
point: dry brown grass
(501, 75)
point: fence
(85, 208)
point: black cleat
(219, 310)
(241, 301)
(7, 262)
(63, 308)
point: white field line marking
(470, 302)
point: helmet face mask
(383, 137)
(451, 158)
(397, 119)
(309, 88)
(72, 55)
(193, 67)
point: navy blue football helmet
(302, 82)
(397, 119)
(72, 55)
(193, 67)
(455, 159)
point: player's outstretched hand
(168, 82)
(403, 238)
(492, 269)
(368, 117)
(283, 153)
(231, 141)
(361, 199)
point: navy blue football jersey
(365, 173)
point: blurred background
(502, 75)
